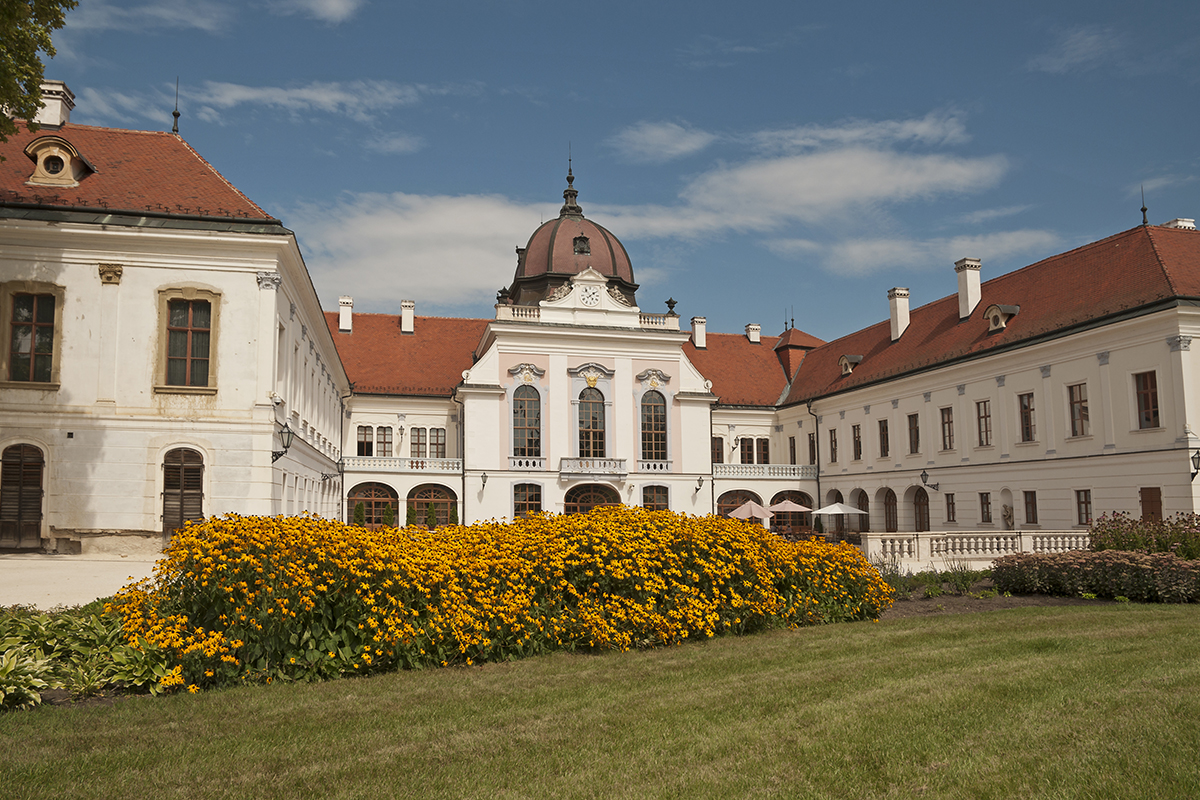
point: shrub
(389, 516)
(302, 598)
(430, 517)
(410, 517)
(1179, 534)
(1155, 577)
(360, 514)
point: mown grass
(1065, 702)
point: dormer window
(57, 162)
(998, 316)
(848, 363)
(582, 246)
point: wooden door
(1151, 497)
(21, 470)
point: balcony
(592, 468)
(653, 466)
(526, 463)
(776, 471)
(440, 466)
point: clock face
(589, 295)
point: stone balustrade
(978, 549)
(788, 471)
(386, 464)
(593, 468)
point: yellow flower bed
(303, 598)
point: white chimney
(345, 313)
(898, 301)
(699, 328)
(968, 285)
(1186, 224)
(752, 332)
(407, 307)
(57, 102)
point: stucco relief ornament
(591, 376)
(653, 378)
(1007, 515)
(615, 294)
(526, 373)
(561, 291)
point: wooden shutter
(21, 473)
(183, 488)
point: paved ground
(47, 581)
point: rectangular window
(856, 441)
(791, 449)
(527, 499)
(983, 417)
(747, 446)
(189, 325)
(1146, 386)
(1031, 508)
(1083, 506)
(764, 451)
(1025, 404)
(437, 442)
(654, 498)
(31, 337)
(914, 433)
(985, 506)
(833, 446)
(718, 449)
(416, 443)
(950, 510)
(1078, 407)
(947, 429)
(812, 448)
(885, 444)
(364, 441)
(383, 441)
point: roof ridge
(415, 316)
(1161, 264)
(216, 172)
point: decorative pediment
(653, 378)
(591, 372)
(526, 372)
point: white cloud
(1078, 50)
(989, 214)
(395, 143)
(325, 10)
(1162, 181)
(101, 15)
(659, 141)
(122, 106)
(438, 250)
(864, 256)
(359, 100)
(935, 128)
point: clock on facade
(589, 295)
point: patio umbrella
(839, 508)
(788, 505)
(750, 509)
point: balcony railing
(526, 463)
(589, 467)
(653, 466)
(667, 321)
(787, 471)
(386, 464)
(978, 549)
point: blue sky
(758, 160)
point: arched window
(527, 422)
(21, 471)
(655, 498)
(732, 499)
(921, 509)
(864, 520)
(838, 521)
(431, 495)
(527, 499)
(581, 499)
(183, 488)
(891, 522)
(792, 521)
(374, 498)
(654, 427)
(591, 423)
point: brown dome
(567, 246)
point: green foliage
(961, 577)
(430, 517)
(22, 671)
(933, 591)
(410, 516)
(389, 516)
(818, 526)
(25, 28)
(360, 515)
(1179, 534)
(1150, 578)
(453, 517)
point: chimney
(968, 285)
(57, 102)
(699, 327)
(345, 313)
(898, 301)
(1186, 224)
(752, 332)
(407, 307)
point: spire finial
(570, 207)
(175, 113)
(1144, 209)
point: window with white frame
(1025, 410)
(1077, 409)
(1145, 386)
(983, 422)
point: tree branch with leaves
(25, 28)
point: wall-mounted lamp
(699, 483)
(341, 469)
(1195, 464)
(400, 431)
(925, 481)
(286, 435)
(483, 479)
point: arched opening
(591, 423)
(891, 514)
(21, 493)
(921, 509)
(792, 521)
(527, 422)
(732, 499)
(183, 488)
(863, 504)
(581, 499)
(375, 498)
(432, 496)
(837, 522)
(654, 427)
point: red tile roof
(743, 373)
(1133, 269)
(138, 171)
(429, 362)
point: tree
(389, 516)
(453, 520)
(360, 515)
(410, 517)
(430, 517)
(25, 27)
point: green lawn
(1082, 701)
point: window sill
(947, 452)
(1085, 437)
(1031, 443)
(185, 390)
(985, 447)
(1159, 429)
(37, 385)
